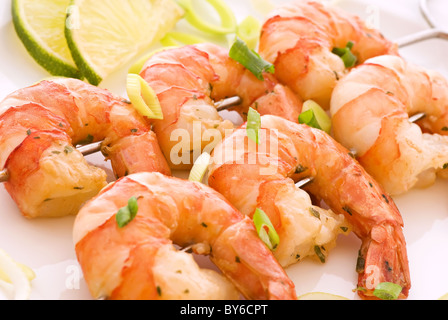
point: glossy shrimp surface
(370, 113)
(299, 37)
(139, 260)
(188, 80)
(39, 129)
(263, 176)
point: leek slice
(143, 97)
(262, 222)
(228, 20)
(200, 167)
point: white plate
(46, 245)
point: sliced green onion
(251, 60)
(387, 291)
(249, 31)
(227, 17)
(176, 38)
(314, 116)
(137, 67)
(262, 223)
(200, 167)
(253, 125)
(127, 213)
(346, 55)
(309, 118)
(143, 97)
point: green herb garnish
(253, 125)
(346, 55)
(251, 60)
(127, 213)
(265, 229)
(387, 291)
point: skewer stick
(412, 119)
(96, 146)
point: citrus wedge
(320, 296)
(107, 34)
(40, 26)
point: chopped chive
(262, 223)
(315, 213)
(314, 116)
(127, 213)
(28, 132)
(237, 259)
(344, 229)
(445, 129)
(159, 291)
(445, 166)
(253, 125)
(204, 225)
(348, 210)
(68, 150)
(251, 60)
(346, 55)
(319, 253)
(387, 291)
(309, 118)
(360, 262)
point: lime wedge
(107, 34)
(320, 296)
(40, 26)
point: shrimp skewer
(96, 146)
(303, 34)
(398, 154)
(39, 127)
(187, 80)
(252, 176)
(139, 261)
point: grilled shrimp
(299, 38)
(139, 261)
(370, 114)
(188, 79)
(254, 176)
(39, 127)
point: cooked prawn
(188, 79)
(299, 37)
(139, 261)
(370, 111)
(252, 176)
(39, 127)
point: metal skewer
(228, 103)
(433, 33)
(412, 119)
(96, 146)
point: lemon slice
(107, 34)
(40, 26)
(320, 296)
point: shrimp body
(41, 124)
(188, 79)
(139, 261)
(299, 37)
(370, 114)
(262, 176)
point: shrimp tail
(251, 257)
(389, 265)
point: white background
(46, 245)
